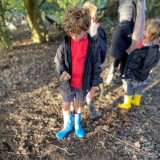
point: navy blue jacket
(92, 66)
(101, 41)
(140, 62)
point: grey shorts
(73, 95)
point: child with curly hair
(79, 66)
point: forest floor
(30, 112)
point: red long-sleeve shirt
(78, 52)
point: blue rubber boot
(78, 128)
(67, 127)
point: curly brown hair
(76, 20)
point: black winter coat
(140, 62)
(92, 66)
(101, 41)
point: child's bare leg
(77, 107)
(66, 108)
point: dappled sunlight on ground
(30, 113)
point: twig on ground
(126, 143)
(12, 153)
(64, 149)
(155, 120)
(15, 136)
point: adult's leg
(116, 54)
(111, 71)
(116, 63)
(123, 63)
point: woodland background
(30, 100)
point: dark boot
(93, 113)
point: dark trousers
(121, 62)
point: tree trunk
(5, 36)
(39, 33)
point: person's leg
(123, 62)
(111, 71)
(78, 112)
(67, 97)
(93, 113)
(116, 63)
(138, 94)
(101, 89)
(124, 82)
(67, 118)
(139, 88)
(128, 97)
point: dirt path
(30, 114)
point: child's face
(78, 37)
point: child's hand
(65, 76)
(91, 92)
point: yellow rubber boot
(136, 99)
(127, 102)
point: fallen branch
(15, 136)
(155, 120)
(64, 149)
(126, 143)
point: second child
(139, 64)
(98, 34)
